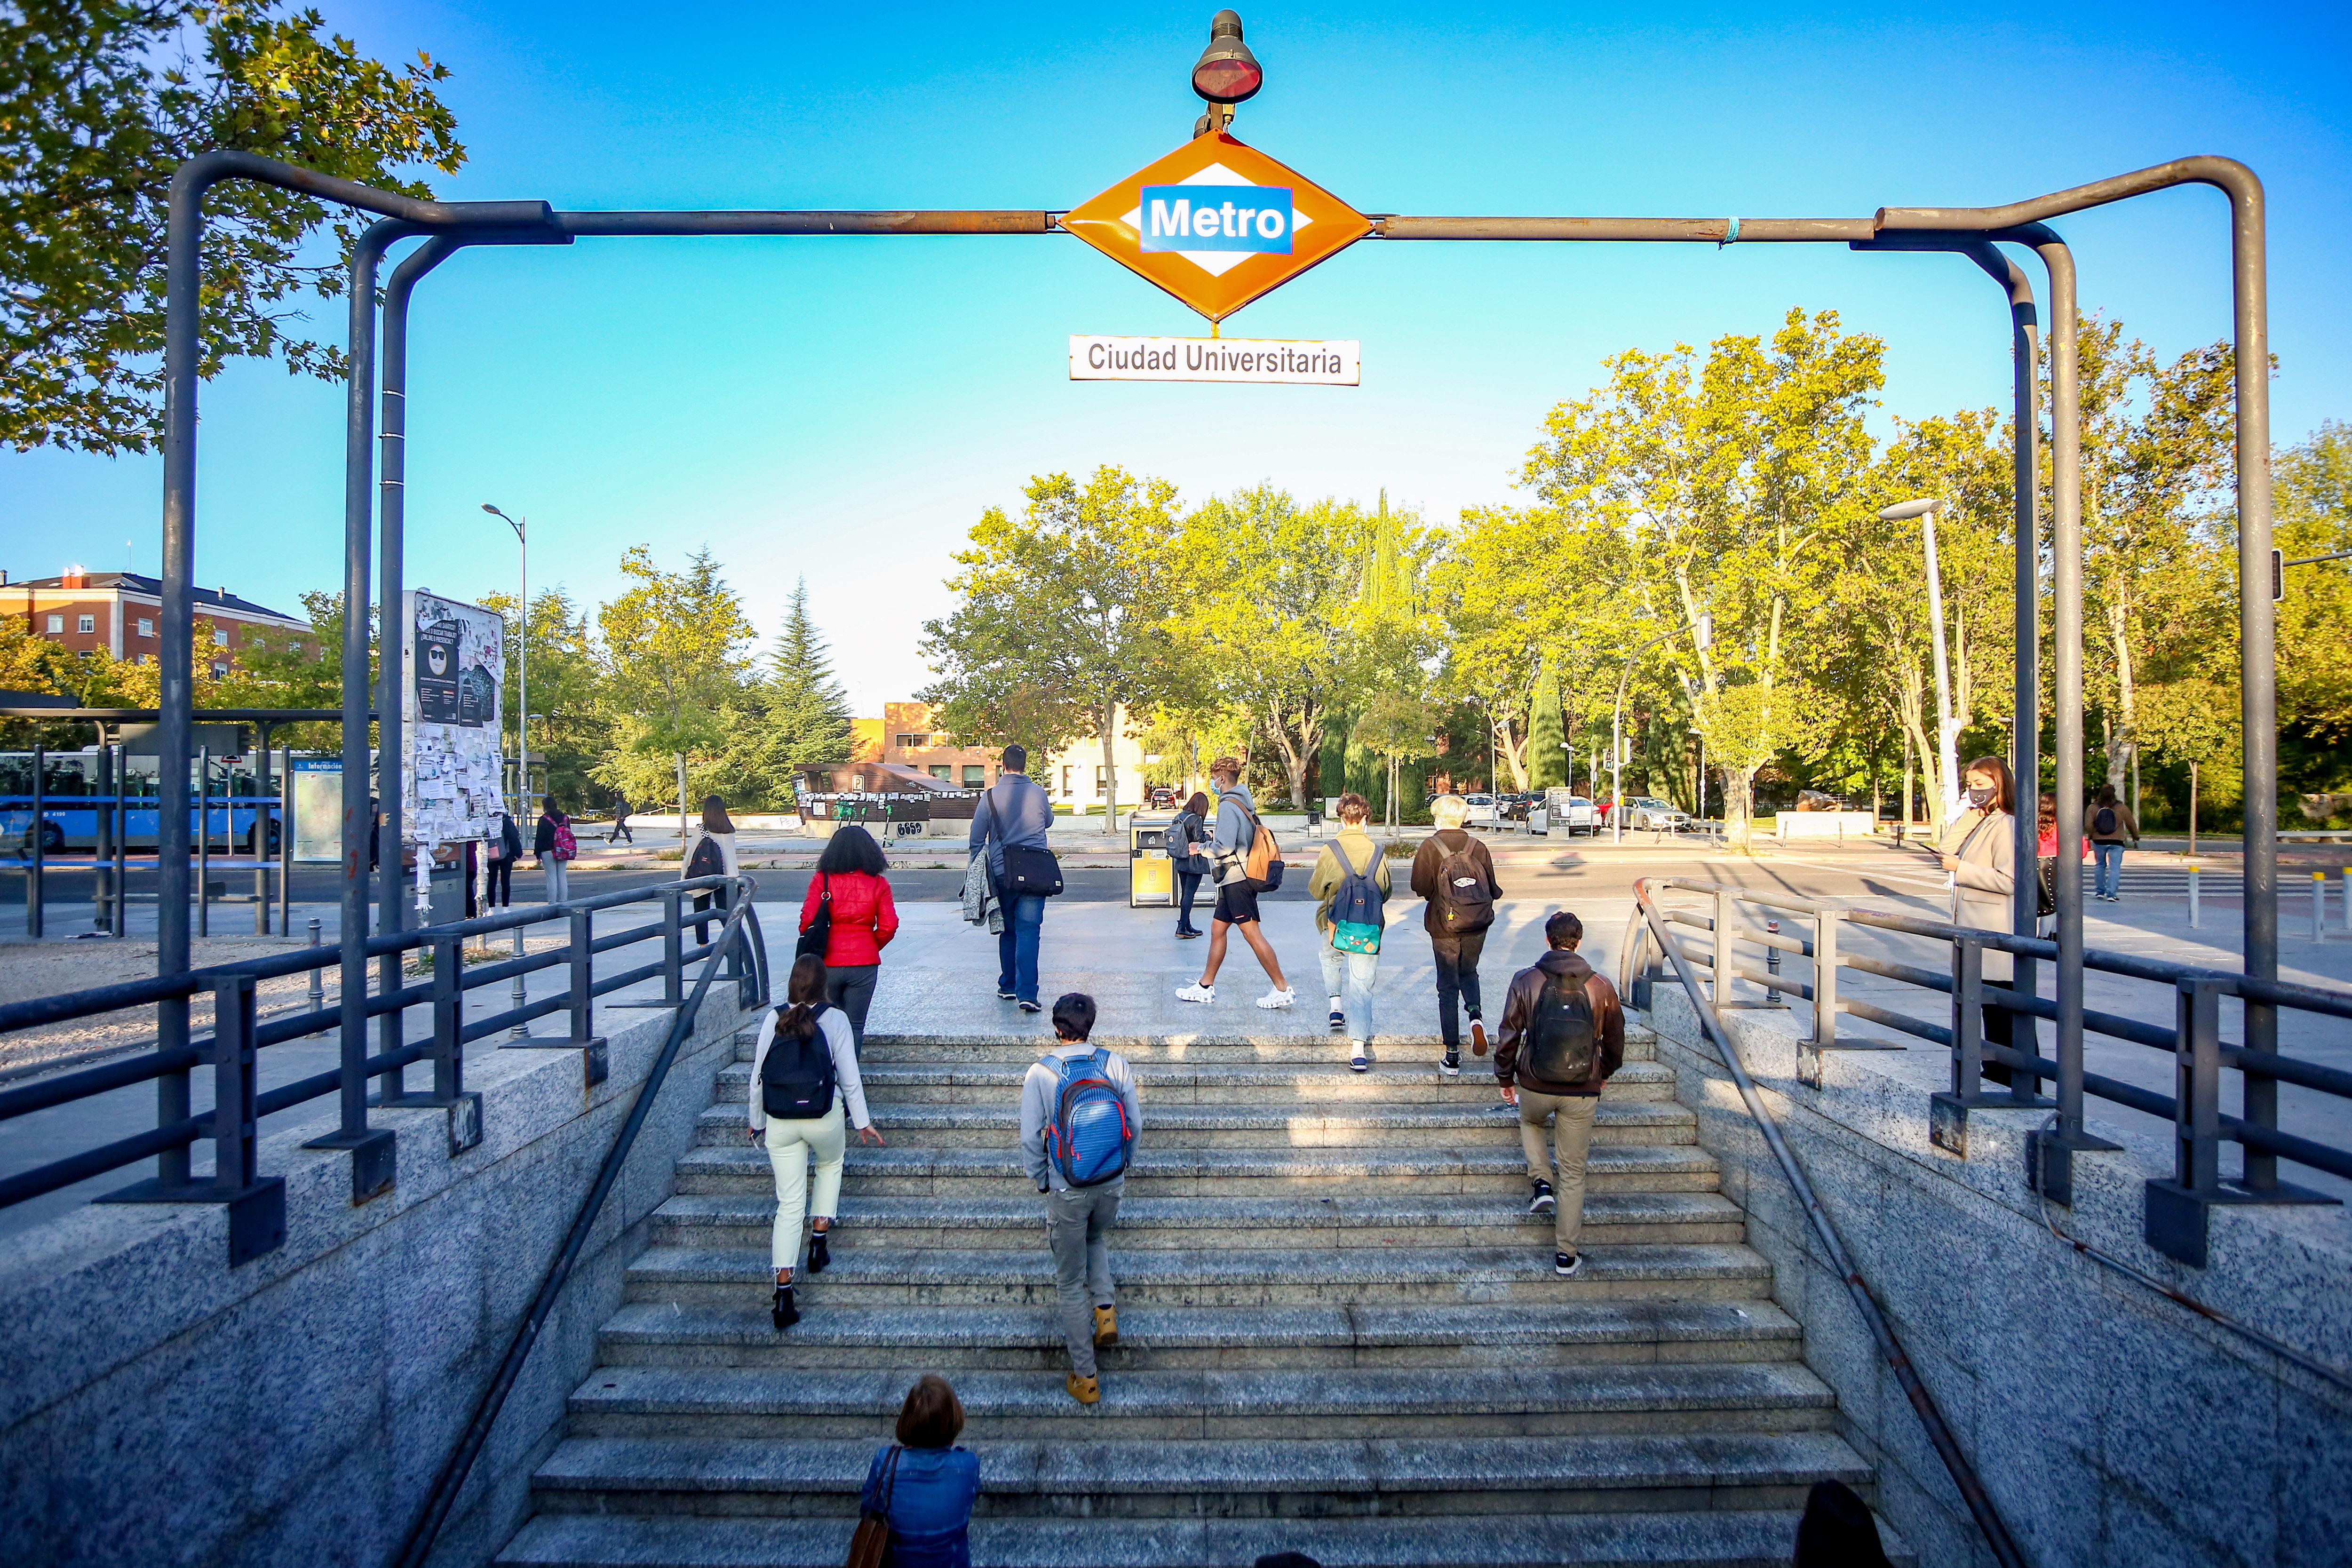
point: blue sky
(844, 409)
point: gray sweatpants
(1078, 1227)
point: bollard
(2319, 906)
(522, 1031)
(2344, 897)
(2192, 895)
(1772, 962)
(318, 983)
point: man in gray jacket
(1237, 891)
(1077, 1219)
(1013, 810)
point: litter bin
(1150, 875)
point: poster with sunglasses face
(453, 761)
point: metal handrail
(451, 1480)
(1939, 1434)
(230, 1122)
(2176, 1207)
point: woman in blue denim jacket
(934, 1483)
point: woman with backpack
(1453, 872)
(2111, 827)
(504, 850)
(850, 897)
(2045, 902)
(1349, 886)
(556, 849)
(804, 1071)
(1187, 839)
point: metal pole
(101, 845)
(1946, 759)
(286, 845)
(121, 809)
(2066, 662)
(203, 841)
(260, 840)
(37, 868)
(2192, 895)
(522, 675)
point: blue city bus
(72, 803)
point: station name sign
(1271, 361)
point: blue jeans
(1350, 977)
(2110, 858)
(1016, 946)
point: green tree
(100, 101)
(806, 714)
(1547, 735)
(2315, 624)
(1061, 623)
(297, 670)
(672, 671)
(1397, 726)
(570, 726)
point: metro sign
(1217, 224)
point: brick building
(121, 612)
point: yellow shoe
(1085, 1390)
(1106, 1325)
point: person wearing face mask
(1980, 850)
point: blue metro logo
(1251, 218)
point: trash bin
(1150, 875)
(444, 896)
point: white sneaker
(1277, 999)
(1197, 992)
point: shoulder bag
(1030, 871)
(820, 931)
(870, 1546)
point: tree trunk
(681, 809)
(1514, 753)
(1110, 768)
(1739, 809)
(2119, 735)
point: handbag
(813, 940)
(870, 1546)
(1029, 871)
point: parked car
(1647, 812)
(1481, 812)
(1162, 798)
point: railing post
(35, 895)
(121, 810)
(317, 982)
(1825, 978)
(1968, 1017)
(673, 948)
(1773, 964)
(522, 1031)
(101, 844)
(2177, 1210)
(1723, 955)
(582, 974)
(203, 841)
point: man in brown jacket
(1455, 874)
(1559, 1011)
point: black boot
(818, 1257)
(784, 1312)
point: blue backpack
(1357, 915)
(1089, 1139)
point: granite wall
(161, 1407)
(2112, 1427)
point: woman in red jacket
(850, 883)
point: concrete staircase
(1341, 1334)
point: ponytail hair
(806, 992)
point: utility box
(1150, 875)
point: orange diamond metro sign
(1217, 224)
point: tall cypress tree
(1546, 732)
(808, 713)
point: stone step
(1331, 1083)
(1725, 1538)
(1239, 1478)
(802, 1403)
(1223, 1277)
(1250, 1126)
(743, 1219)
(738, 1167)
(1631, 1332)
(1310, 1041)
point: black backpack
(2103, 823)
(1464, 896)
(1562, 1046)
(796, 1077)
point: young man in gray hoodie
(1230, 841)
(1077, 1219)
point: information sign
(1268, 360)
(1217, 224)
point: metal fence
(1743, 939)
(255, 1202)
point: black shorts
(1237, 901)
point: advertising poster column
(451, 706)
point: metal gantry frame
(1972, 232)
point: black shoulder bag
(1029, 871)
(820, 931)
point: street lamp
(1226, 73)
(522, 672)
(1948, 728)
(1704, 633)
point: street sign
(1217, 224)
(1265, 360)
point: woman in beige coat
(1979, 850)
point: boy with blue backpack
(1351, 890)
(1080, 1118)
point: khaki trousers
(1571, 1118)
